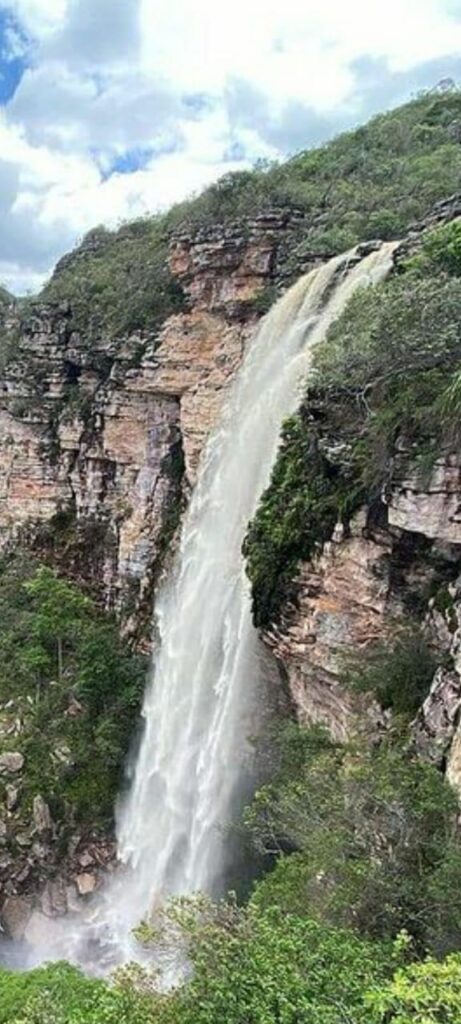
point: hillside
(369, 183)
(348, 908)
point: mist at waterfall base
(194, 769)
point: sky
(111, 109)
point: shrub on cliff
(74, 689)
(386, 383)
(363, 839)
(119, 283)
(373, 181)
(424, 993)
(398, 673)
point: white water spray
(193, 767)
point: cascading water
(193, 768)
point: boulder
(85, 859)
(86, 883)
(11, 797)
(53, 900)
(14, 917)
(42, 817)
(11, 762)
(23, 839)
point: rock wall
(100, 439)
(365, 584)
(100, 436)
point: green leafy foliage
(60, 994)
(425, 993)
(272, 967)
(372, 181)
(118, 281)
(66, 674)
(385, 399)
(398, 673)
(362, 839)
(262, 966)
(251, 966)
(441, 251)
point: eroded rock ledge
(362, 585)
(100, 436)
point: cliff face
(100, 439)
(360, 588)
(397, 562)
(100, 436)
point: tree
(424, 993)
(58, 610)
(374, 840)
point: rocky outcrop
(361, 587)
(341, 598)
(228, 269)
(429, 507)
(100, 436)
(446, 210)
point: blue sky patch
(132, 160)
(13, 55)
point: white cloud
(187, 83)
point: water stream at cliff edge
(193, 769)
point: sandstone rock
(432, 509)
(86, 883)
(11, 797)
(22, 875)
(341, 601)
(23, 839)
(436, 724)
(40, 851)
(6, 862)
(14, 917)
(53, 900)
(41, 813)
(351, 596)
(11, 763)
(85, 859)
(73, 900)
(116, 467)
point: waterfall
(193, 768)
(198, 708)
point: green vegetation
(370, 182)
(426, 993)
(333, 934)
(387, 381)
(297, 512)
(118, 282)
(363, 840)
(266, 967)
(357, 919)
(398, 673)
(257, 968)
(373, 181)
(65, 675)
(60, 994)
